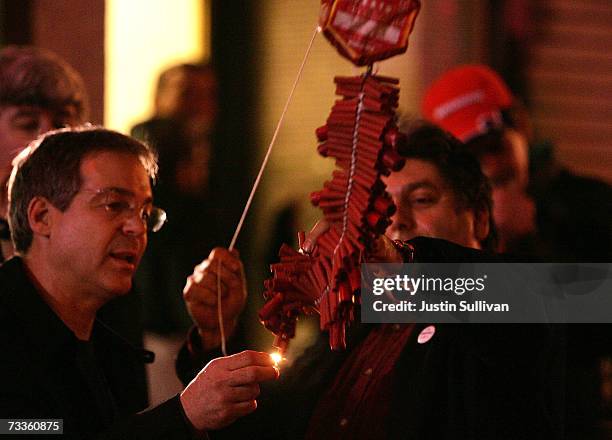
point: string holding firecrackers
(362, 136)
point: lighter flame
(276, 358)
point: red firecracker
(362, 136)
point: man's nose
(134, 224)
(402, 223)
(45, 123)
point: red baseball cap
(467, 101)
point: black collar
(45, 329)
(5, 232)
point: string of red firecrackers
(362, 135)
(364, 31)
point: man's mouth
(128, 257)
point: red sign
(365, 31)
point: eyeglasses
(118, 204)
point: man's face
(508, 172)
(21, 124)
(92, 246)
(199, 98)
(510, 165)
(426, 206)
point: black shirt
(46, 372)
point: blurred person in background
(467, 102)
(550, 213)
(38, 92)
(181, 133)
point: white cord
(256, 184)
(345, 217)
(350, 181)
(220, 311)
(272, 142)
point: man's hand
(514, 212)
(201, 292)
(383, 250)
(226, 389)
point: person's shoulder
(154, 127)
(144, 126)
(588, 181)
(11, 277)
(12, 267)
(578, 186)
(12, 335)
(436, 250)
(8, 321)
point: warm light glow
(276, 357)
(142, 38)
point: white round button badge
(426, 334)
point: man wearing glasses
(80, 208)
(39, 91)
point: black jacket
(470, 381)
(46, 372)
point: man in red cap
(467, 101)
(473, 103)
(574, 213)
(574, 217)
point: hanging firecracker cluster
(362, 135)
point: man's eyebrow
(23, 110)
(408, 188)
(125, 192)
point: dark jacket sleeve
(23, 397)
(165, 421)
(192, 358)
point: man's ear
(481, 224)
(40, 216)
